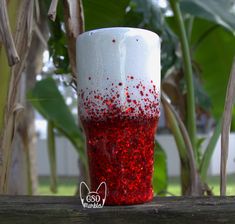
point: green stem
(179, 140)
(29, 172)
(209, 151)
(191, 116)
(52, 155)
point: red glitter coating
(120, 140)
(120, 152)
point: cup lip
(89, 32)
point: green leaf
(104, 13)
(213, 55)
(160, 177)
(57, 43)
(49, 102)
(221, 12)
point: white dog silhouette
(93, 199)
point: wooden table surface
(67, 210)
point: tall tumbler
(119, 93)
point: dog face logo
(93, 199)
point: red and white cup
(119, 94)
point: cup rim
(90, 32)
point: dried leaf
(196, 185)
(23, 33)
(52, 10)
(6, 36)
(227, 118)
(74, 23)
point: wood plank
(68, 210)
